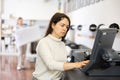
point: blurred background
(86, 17)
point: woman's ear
(53, 25)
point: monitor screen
(102, 46)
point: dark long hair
(55, 19)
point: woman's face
(60, 28)
(20, 22)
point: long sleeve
(50, 59)
(45, 52)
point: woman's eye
(62, 25)
(67, 27)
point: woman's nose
(65, 29)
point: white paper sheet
(29, 34)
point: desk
(76, 74)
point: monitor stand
(109, 72)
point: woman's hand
(69, 66)
(81, 64)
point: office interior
(86, 17)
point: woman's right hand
(81, 64)
(75, 65)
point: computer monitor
(103, 57)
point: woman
(21, 49)
(51, 53)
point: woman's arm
(44, 52)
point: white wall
(0, 6)
(104, 12)
(30, 9)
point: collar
(54, 38)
